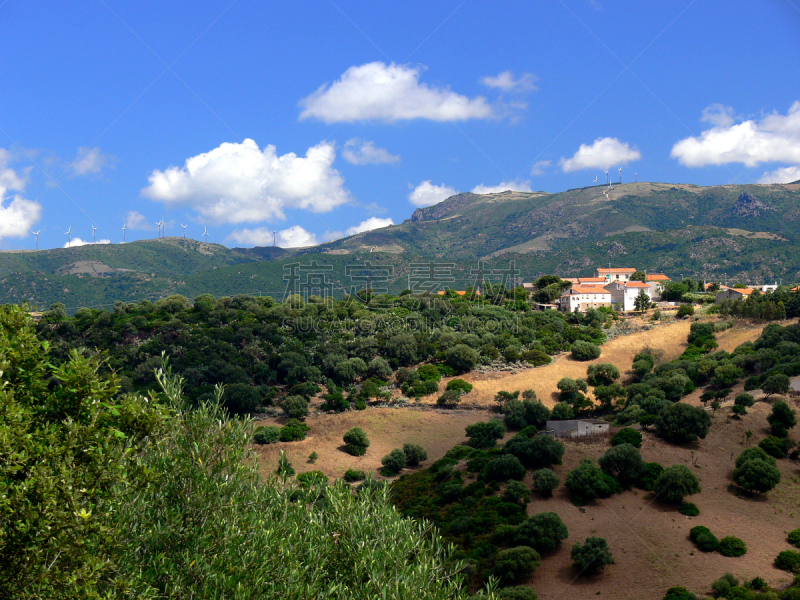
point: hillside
(736, 233)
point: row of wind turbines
(610, 187)
(161, 232)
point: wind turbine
(94, 234)
(620, 174)
(595, 179)
(68, 233)
(606, 172)
(274, 233)
(184, 230)
(1, 240)
(205, 233)
(36, 233)
(636, 177)
(123, 233)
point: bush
(515, 563)
(311, 479)
(756, 475)
(356, 441)
(782, 418)
(676, 482)
(744, 399)
(688, 509)
(562, 411)
(294, 431)
(685, 310)
(544, 481)
(775, 384)
(267, 434)
(295, 407)
(788, 560)
(516, 493)
(682, 423)
(679, 593)
(461, 358)
(794, 538)
(703, 539)
(448, 398)
(732, 547)
(647, 480)
(543, 531)
(586, 483)
(486, 434)
(592, 557)
(775, 446)
(503, 468)
(624, 462)
(394, 462)
(585, 351)
(722, 586)
(754, 453)
(458, 452)
(415, 454)
(429, 373)
(525, 413)
(459, 385)
(520, 592)
(352, 475)
(627, 435)
(602, 374)
(537, 452)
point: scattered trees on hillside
(682, 423)
(591, 557)
(485, 434)
(782, 418)
(675, 483)
(356, 441)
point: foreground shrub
(688, 509)
(544, 481)
(788, 560)
(517, 493)
(756, 475)
(515, 563)
(592, 557)
(675, 483)
(627, 435)
(585, 351)
(732, 546)
(294, 430)
(394, 462)
(602, 374)
(543, 531)
(703, 538)
(352, 475)
(723, 586)
(356, 441)
(415, 454)
(459, 385)
(267, 434)
(521, 592)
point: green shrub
(544, 481)
(415, 454)
(744, 399)
(461, 358)
(394, 462)
(732, 546)
(535, 453)
(294, 430)
(723, 585)
(775, 446)
(624, 462)
(794, 537)
(562, 411)
(267, 434)
(586, 483)
(520, 592)
(312, 478)
(685, 310)
(754, 453)
(788, 560)
(503, 468)
(515, 563)
(449, 397)
(517, 493)
(356, 441)
(295, 407)
(688, 509)
(592, 557)
(459, 385)
(429, 373)
(585, 351)
(676, 482)
(682, 423)
(782, 418)
(756, 475)
(458, 452)
(486, 434)
(543, 531)
(650, 474)
(679, 593)
(352, 475)
(602, 374)
(627, 435)
(703, 538)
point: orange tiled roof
(460, 293)
(636, 284)
(625, 270)
(589, 289)
(743, 291)
(657, 277)
(591, 280)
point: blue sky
(320, 118)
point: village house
(576, 427)
(615, 274)
(733, 294)
(581, 298)
(658, 280)
(764, 288)
(623, 294)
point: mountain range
(745, 233)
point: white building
(584, 297)
(576, 427)
(623, 294)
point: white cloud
(602, 154)
(363, 152)
(775, 138)
(377, 91)
(20, 214)
(76, 241)
(505, 81)
(293, 237)
(718, 115)
(89, 160)
(427, 194)
(375, 208)
(516, 186)
(136, 220)
(369, 225)
(540, 167)
(237, 183)
(782, 175)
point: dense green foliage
(788, 560)
(627, 435)
(591, 557)
(486, 434)
(703, 538)
(624, 463)
(675, 483)
(513, 564)
(586, 483)
(394, 462)
(682, 423)
(782, 418)
(543, 532)
(585, 350)
(732, 546)
(756, 475)
(544, 481)
(356, 441)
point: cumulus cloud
(136, 220)
(363, 152)
(292, 237)
(237, 183)
(17, 214)
(375, 208)
(369, 225)
(516, 186)
(90, 160)
(775, 138)
(377, 91)
(76, 241)
(602, 154)
(540, 167)
(782, 175)
(718, 115)
(506, 82)
(427, 194)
